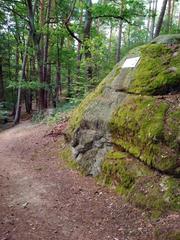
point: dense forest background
(53, 52)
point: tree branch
(72, 33)
(112, 16)
(66, 23)
(15, 12)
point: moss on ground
(139, 184)
(175, 235)
(157, 194)
(66, 155)
(158, 71)
(138, 127)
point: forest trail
(41, 199)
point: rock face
(130, 125)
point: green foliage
(38, 117)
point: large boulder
(137, 111)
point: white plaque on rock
(130, 62)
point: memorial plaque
(130, 62)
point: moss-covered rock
(139, 184)
(139, 127)
(158, 71)
(167, 39)
(137, 111)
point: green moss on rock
(138, 127)
(139, 184)
(158, 70)
(114, 170)
(173, 128)
(167, 39)
(66, 156)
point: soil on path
(41, 199)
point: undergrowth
(57, 114)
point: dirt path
(41, 199)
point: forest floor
(42, 199)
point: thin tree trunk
(119, 43)
(169, 16)
(69, 83)
(1, 81)
(160, 19)
(149, 20)
(23, 77)
(49, 81)
(27, 92)
(118, 51)
(155, 2)
(58, 71)
(40, 57)
(79, 54)
(110, 43)
(172, 13)
(129, 35)
(179, 22)
(46, 48)
(87, 33)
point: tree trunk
(119, 42)
(79, 54)
(49, 81)
(118, 51)
(1, 81)
(153, 17)
(23, 78)
(87, 34)
(46, 48)
(172, 13)
(69, 83)
(149, 20)
(36, 37)
(58, 71)
(169, 16)
(160, 19)
(27, 92)
(110, 43)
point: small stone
(25, 205)
(175, 54)
(172, 69)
